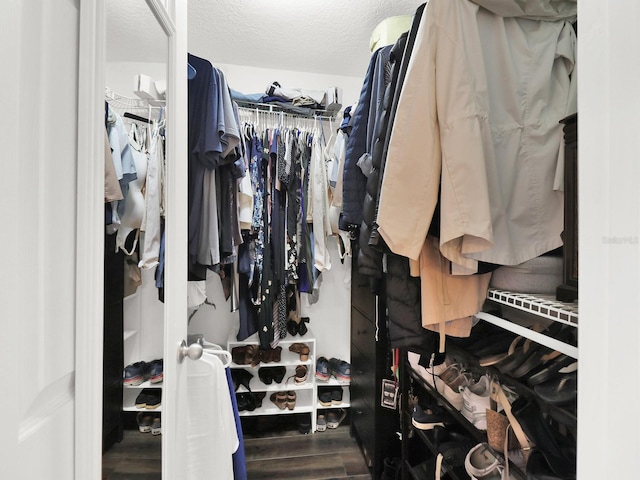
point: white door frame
(90, 241)
(172, 17)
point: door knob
(193, 351)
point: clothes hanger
(215, 349)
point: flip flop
(562, 364)
(559, 390)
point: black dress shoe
(292, 327)
(245, 401)
(240, 376)
(266, 375)
(278, 373)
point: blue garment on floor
(239, 459)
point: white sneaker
(432, 376)
(480, 462)
(476, 399)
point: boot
(392, 469)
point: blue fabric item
(248, 312)
(247, 97)
(353, 180)
(191, 72)
(275, 99)
(160, 268)
(346, 118)
(239, 459)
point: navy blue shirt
(205, 146)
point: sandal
(302, 349)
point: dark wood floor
(274, 449)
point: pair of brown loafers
(253, 355)
(284, 399)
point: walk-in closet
(320, 240)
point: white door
(51, 130)
(38, 133)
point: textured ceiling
(319, 36)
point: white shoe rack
(306, 392)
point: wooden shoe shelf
(306, 394)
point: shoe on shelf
(292, 327)
(340, 369)
(149, 398)
(154, 398)
(427, 369)
(241, 377)
(335, 417)
(304, 423)
(246, 401)
(454, 446)
(279, 399)
(336, 396)
(392, 468)
(425, 419)
(271, 374)
(302, 326)
(244, 354)
(267, 355)
(449, 386)
(156, 427)
(134, 374)
(321, 423)
(322, 369)
(324, 396)
(559, 390)
(291, 399)
(265, 374)
(145, 421)
(301, 349)
(480, 462)
(258, 397)
(476, 398)
(278, 373)
(301, 374)
(154, 369)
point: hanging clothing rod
(275, 108)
